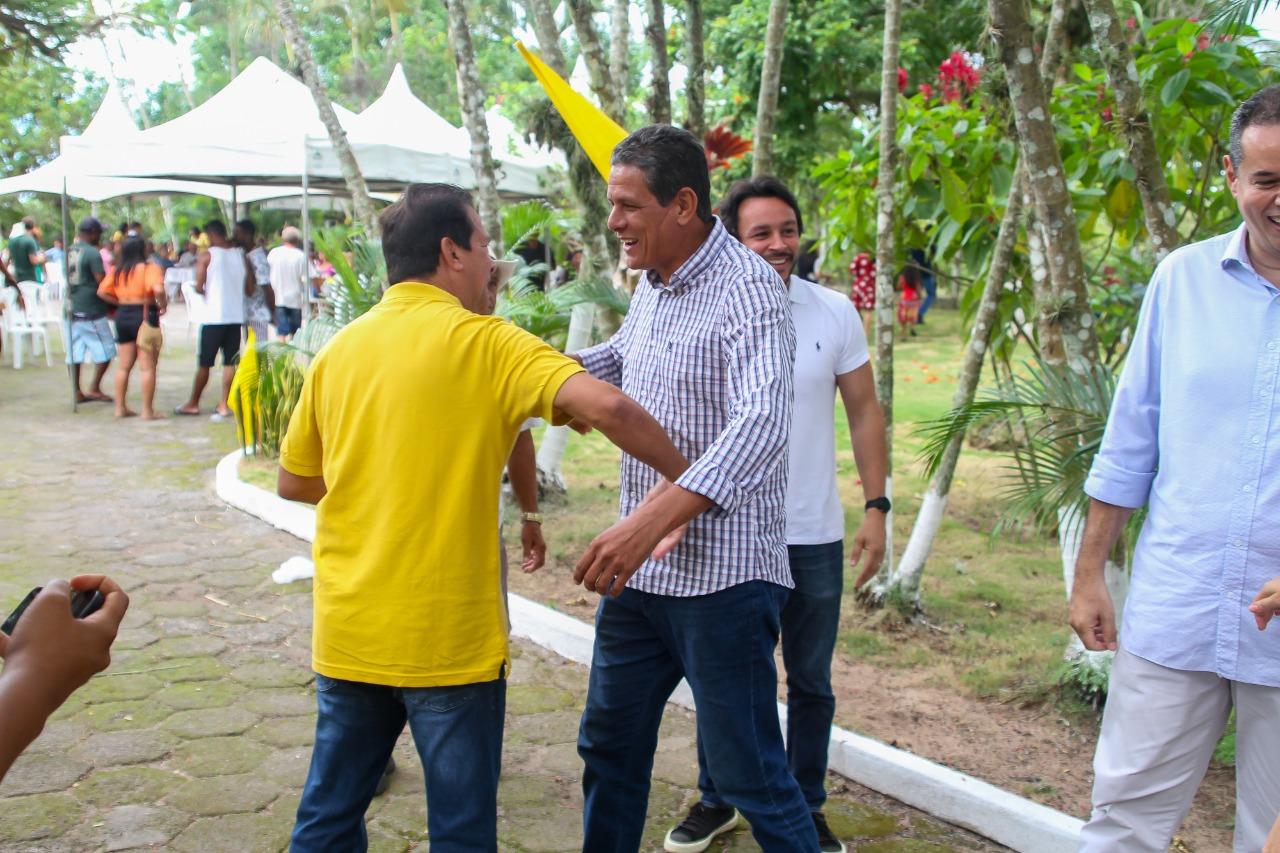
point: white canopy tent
(75, 169)
(263, 128)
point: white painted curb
(955, 797)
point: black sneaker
(696, 832)
(385, 781)
(827, 841)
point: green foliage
(1085, 679)
(1056, 418)
(360, 274)
(280, 375)
(40, 27)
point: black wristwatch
(881, 504)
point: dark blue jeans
(723, 645)
(810, 622)
(458, 733)
(930, 296)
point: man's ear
(449, 253)
(686, 202)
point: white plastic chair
(17, 327)
(42, 309)
(197, 308)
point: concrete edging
(950, 795)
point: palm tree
(770, 80)
(1056, 417)
(620, 56)
(471, 97)
(351, 175)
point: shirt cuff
(713, 484)
(599, 361)
(1112, 484)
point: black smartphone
(82, 604)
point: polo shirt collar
(1236, 250)
(796, 290)
(690, 272)
(417, 291)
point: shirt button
(1248, 488)
(1255, 439)
(1238, 543)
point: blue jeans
(723, 645)
(930, 295)
(810, 622)
(458, 733)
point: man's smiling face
(644, 226)
(1256, 185)
(770, 228)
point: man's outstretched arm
(614, 555)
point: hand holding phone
(54, 650)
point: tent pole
(306, 236)
(235, 207)
(66, 296)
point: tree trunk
(548, 35)
(771, 78)
(346, 159)
(886, 254)
(660, 85)
(1067, 333)
(597, 66)
(620, 57)
(908, 573)
(471, 97)
(695, 90)
(1122, 73)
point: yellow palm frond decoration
(243, 396)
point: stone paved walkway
(198, 736)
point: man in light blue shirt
(1194, 435)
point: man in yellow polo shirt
(404, 424)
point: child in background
(911, 290)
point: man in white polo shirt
(831, 355)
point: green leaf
(1215, 91)
(1173, 87)
(1083, 71)
(1186, 43)
(1121, 201)
(946, 234)
(919, 163)
(955, 196)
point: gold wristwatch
(531, 517)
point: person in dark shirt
(90, 334)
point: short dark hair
(1263, 107)
(215, 228)
(414, 225)
(28, 222)
(671, 158)
(765, 186)
(247, 226)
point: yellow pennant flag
(242, 396)
(596, 132)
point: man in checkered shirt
(708, 348)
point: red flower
(926, 91)
(1106, 114)
(902, 79)
(1202, 41)
(1131, 23)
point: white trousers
(1159, 730)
